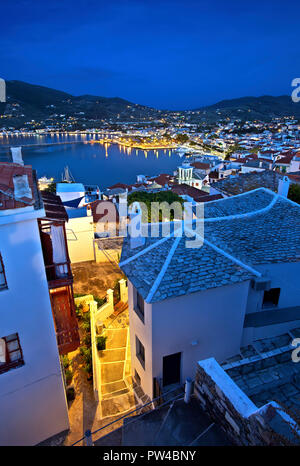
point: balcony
(59, 274)
(55, 252)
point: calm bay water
(89, 163)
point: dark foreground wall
(234, 412)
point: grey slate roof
(265, 371)
(265, 229)
(248, 181)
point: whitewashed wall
(80, 237)
(214, 318)
(32, 398)
(144, 333)
(286, 277)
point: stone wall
(237, 415)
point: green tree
(51, 188)
(181, 138)
(294, 193)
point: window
(271, 297)
(11, 354)
(139, 306)
(140, 351)
(3, 284)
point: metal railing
(88, 436)
(53, 273)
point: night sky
(176, 54)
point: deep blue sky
(166, 53)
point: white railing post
(110, 299)
(123, 290)
(188, 389)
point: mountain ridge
(26, 102)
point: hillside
(26, 102)
(252, 108)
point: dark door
(171, 369)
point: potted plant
(101, 343)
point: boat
(67, 176)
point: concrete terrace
(95, 277)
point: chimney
(2, 90)
(21, 187)
(283, 186)
(135, 226)
(16, 153)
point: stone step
(113, 387)
(114, 394)
(118, 405)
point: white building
(32, 395)
(187, 175)
(71, 194)
(191, 303)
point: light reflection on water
(102, 164)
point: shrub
(86, 353)
(69, 376)
(86, 326)
(65, 361)
(78, 312)
(87, 339)
(101, 343)
(70, 392)
(99, 301)
(294, 193)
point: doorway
(171, 369)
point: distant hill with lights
(265, 107)
(27, 102)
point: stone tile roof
(185, 189)
(265, 371)
(248, 181)
(271, 236)
(240, 232)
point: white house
(191, 175)
(239, 285)
(32, 395)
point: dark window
(3, 283)
(140, 351)
(271, 297)
(139, 306)
(11, 355)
